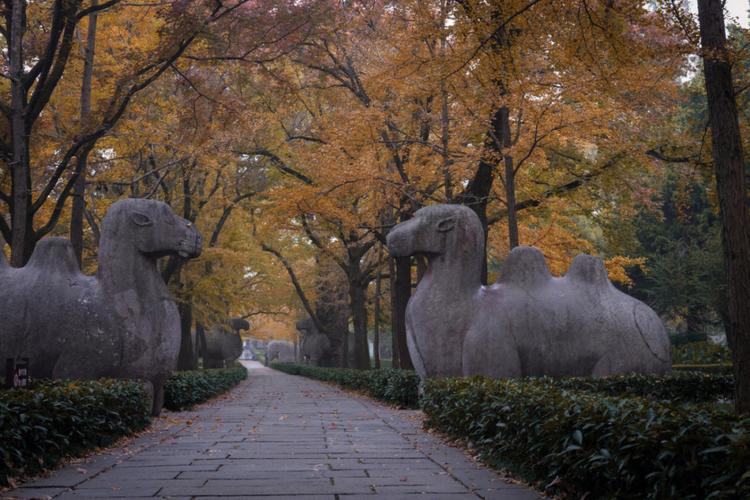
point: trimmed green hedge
(593, 445)
(398, 387)
(712, 368)
(185, 389)
(700, 353)
(685, 386)
(45, 424)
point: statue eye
(446, 224)
(140, 219)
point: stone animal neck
(452, 276)
(122, 267)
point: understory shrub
(686, 386)
(725, 368)
(53, 420)
(592, 445)
(185, 389)
(398, 387)
(700, 353)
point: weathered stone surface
(224, 343)
(529, 323)
(121, 323)
(281, 351)
(314, 344)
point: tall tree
(731, 188)
(36, 70)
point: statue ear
(141, 219)
(446, 224)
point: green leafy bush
(399, 387)
(686, 386)
(725, 368)
(42, 425)
(700, 353)
(592, 445)
(185, 389)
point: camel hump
(588, 269)
(55, 255)
(525, 266)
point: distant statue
(121, 323)
(529, 323)
(281, 351)
(224, 343)
(314, 344)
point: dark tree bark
(730, 186)
(187, 359)
(21, 213)
(358, 301)
(376, 312)
(79, 190)
(401, 294)
(477, 193)
(394, 316)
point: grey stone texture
(314, 345)
(224, 343)
(279, 436)
(121, 323)
(529, 323)
(281, 351)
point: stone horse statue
(120, 323)
(224, 343)
(529, 323)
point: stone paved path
(279, 436)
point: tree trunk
(402, 294)
(200, 340)
(187, 359)
(730, 186)
(376, 321)
(394, 316)
(510, 198)
(510, 179)
(477, 194)
(22, 231)
(79, 191)
(358, 299)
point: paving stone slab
(279, 436)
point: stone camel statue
(314, 344)
(529, 323)
(120, 323)
(224, 343)
(281, 351)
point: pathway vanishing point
(280, 436)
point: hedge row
(700, 353)
(398, 387)
(685, 386)
(726, 368)
(41, 426)
(595, 446)
(185, 389)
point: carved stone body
(281, 351)
(121, 323)
(314, 345)
(224, 343)
(529, 323)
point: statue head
(238, 324)
(153, 228)
(437, 230)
